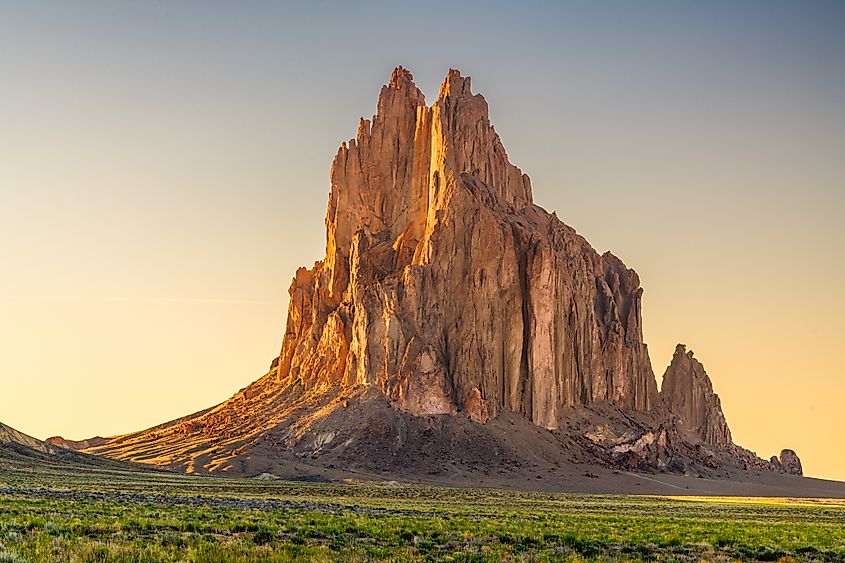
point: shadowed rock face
(687, 392)
(446, 288)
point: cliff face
(688, 393)
(447, 289)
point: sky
(164, 170)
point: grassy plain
(108, 514)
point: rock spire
(447, 289)
(688, 392)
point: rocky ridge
(446, 303)
(19, 451)
(9, 435)
(75, 444)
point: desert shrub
(263, 536)
(171, 539)
(339, 542)
(7, 557)
(241, 526)
(298, 539)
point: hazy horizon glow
(164, 171)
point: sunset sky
(164, 170)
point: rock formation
(450, 316)
(687, 392)
(75, 444)
(446, 288)
(788, 463)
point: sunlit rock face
(447, 289)
(688, 392)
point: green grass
(113, 515)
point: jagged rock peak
(400, 87)
(401, 77)
(455, 85)
(688, 392)
(404, 165)
(447, 289)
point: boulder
(790, 462)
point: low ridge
(21, 451)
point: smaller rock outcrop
(75, 444)
(791, 463)
(688, 393)
(788, 463)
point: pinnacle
(454, 84)
(401, 77)
(401, 86)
